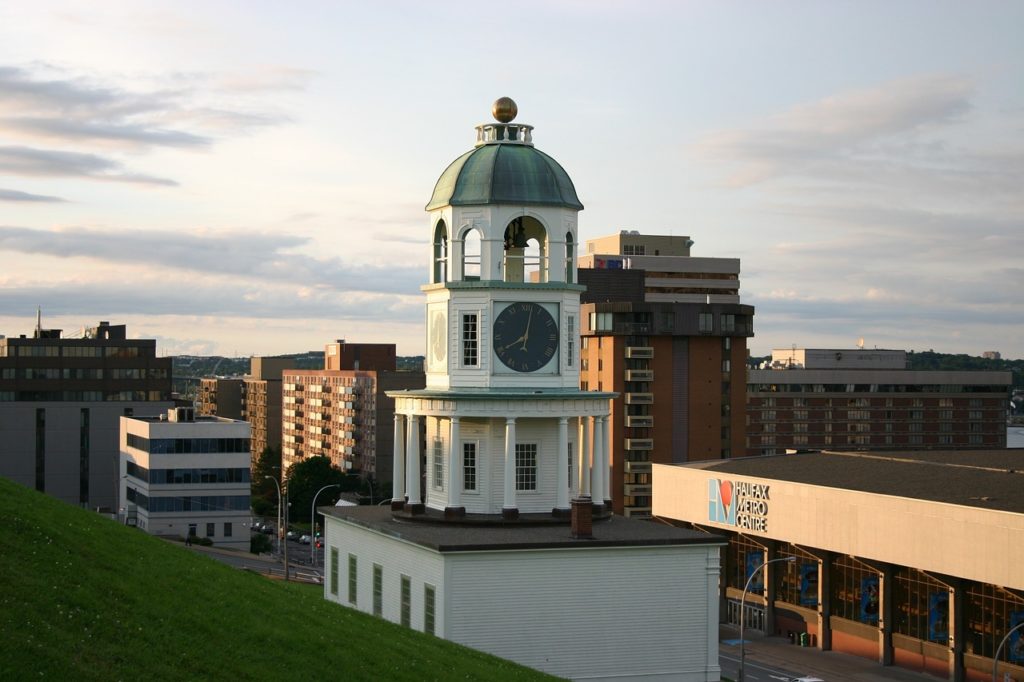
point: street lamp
(279, 531)
(999, 649)
(312, 517)
(743, 608)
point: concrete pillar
(584, 457)
(597, 469)
(562, 491)
(825, 601)
(886, 612)
(413, 476)
(509, 510)
(770, 573)
(957, 631)
(606, 457)
(398, 465)
(455, 481)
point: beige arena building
(915, 559)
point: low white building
(187, 475)
(637, 601)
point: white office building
(185, 475)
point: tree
(263, 492)
(307, 477)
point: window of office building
(601, 322)
(526, 466)
(728, 323)
(743, 559)
(855, 594)
(991, 613)
(228, 530)
(470, 350)
(797, 582)
(705, 323)
(378, 590)
(922, 606)
(211, 529)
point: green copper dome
(504, 174)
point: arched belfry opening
(471, 254)
(526, 250)
(440, 253)
(570, 258)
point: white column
(510, 464)
(597, 469)
(562, 493)
(398, 461)
(607, 457)
(412, 451)
(584, 456)
(454, 465)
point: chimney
(582, 518)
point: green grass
(84, 598)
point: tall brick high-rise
(666, 331)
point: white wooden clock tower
(502, 427)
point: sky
(249, 178)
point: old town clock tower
(507, 431)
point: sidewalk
(828, 665)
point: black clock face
(525, 337)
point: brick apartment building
(342, 412)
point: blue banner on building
(938, 617)
(869, 601)
(755, 560)
(808, 584)
(1015, 645)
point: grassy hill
(83, 598)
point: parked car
(267, 529)
(292, 535)
(305, 539)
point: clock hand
(526, 332)
(506, 347)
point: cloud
(267, 78)
(828, 138)
(28, 161)
(154, 295)
(241, 255)
(65, 129)
(15, 195)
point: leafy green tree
(307, 477)
(263, 492)
(260, 543)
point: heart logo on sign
(725, 492)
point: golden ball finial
(504, 110)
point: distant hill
(85, 598)
(188, 369)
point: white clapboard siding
(619, 613)
(422, 565)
